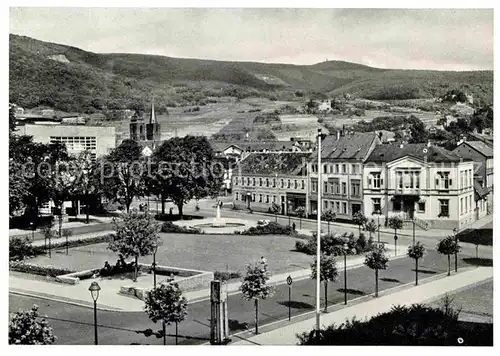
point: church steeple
(152, 118)
(153, 127)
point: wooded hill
(73, 80)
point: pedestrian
(293, 226)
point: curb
(66, 301)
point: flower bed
(271, 228)
(20, 266)
(170, 227)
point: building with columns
(419, 181)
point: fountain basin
(209, 226)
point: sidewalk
(86, 236)
(72, 225)
(419, 294)
(111, 299)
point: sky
(440, 39)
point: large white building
(428, 183)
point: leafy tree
(62, 189)
(328, 272)
(87, 179)
(329, 216)
(396, 223)
(136, 235)
(166, 304)
(418, 132)
(26, 328)
(275, 209)
(448, 246)
(376, 260)
(301, 213)
(186, 169)
(359, 219)
(122, 173)
(254, 286)
(416, 252)
(371, 227)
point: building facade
(482, 155)
(417, 181)
(342, 158)
(99, 140)
(262, 179)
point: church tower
(153, 127)
(137, 128)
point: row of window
(268, 182)
(466, 179)
(76, 143)
(261, 198)
(409, 180)
(334, 186)
(330, 168)
(336, 206)
(465, 205)
(443, 206)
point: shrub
(20, 247)
(170, 227)
(272, 228)
(333, 244)
(51, 271)
(305, 246)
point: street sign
(289, 280)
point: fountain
(218, 221)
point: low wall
(193, 279)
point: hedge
(170, 227)
(224, 276)
(333, 244)
(51, 271)
(272, 228)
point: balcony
(407, 191)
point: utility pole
(318, 237)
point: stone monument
(218, 221)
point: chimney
(338, 135)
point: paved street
(73, 324)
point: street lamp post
(94, 292)
(413, 221)
(346, 247)
(378, 222)
(456, 242)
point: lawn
(203, 252)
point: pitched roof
(479, 191)
(352, 147)
(481, 147)
(390, 152)
(250, 146)
(288, 163)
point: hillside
(70, 79)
